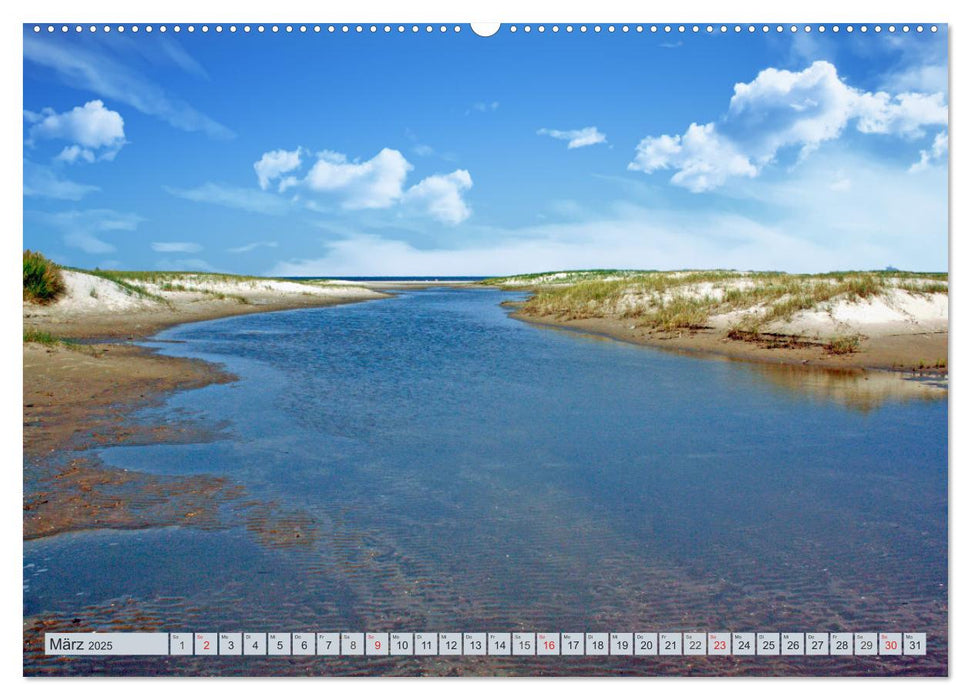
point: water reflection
(854, 388)
(857, 389)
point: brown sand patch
(86, 495)
(74, 398)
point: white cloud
(87, 68)
(377, 183)
(176, 247)
(703, 159)
(273, 164)
(374, 184)
(576, 138)
(95, 132)
(441, 196)
(82, 228)
(249, 247)
(234, 197)
(905, 115)
(933, 155)
(780, 109)
(41, 181)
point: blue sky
(397, 154)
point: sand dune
(138, 304)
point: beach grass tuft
(43, 282)
(843, 344)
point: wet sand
(80, 396)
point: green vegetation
(565, 277)
(43, 282)
(843, 344)
(690, 298)
(32, 335)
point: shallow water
(427, 463)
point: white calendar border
(442, 10)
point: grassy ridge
(139, 282)
(689, 299)
(162, 278)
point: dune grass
(174, 279)
(43, 282)
(690, 298)
(140, 282)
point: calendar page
(515, 349)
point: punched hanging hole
(485, 28)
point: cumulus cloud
(576, 138)
(373, 184)
(441, 196)
(273, 164)
(331, 182)
(94, 131)
(377, 183)
(176, 247)
(702, 158)
(781, 109)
